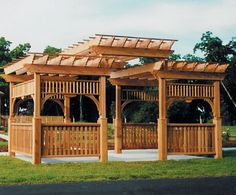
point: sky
(60, 23)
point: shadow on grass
(229, 153)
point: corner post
(36, 156)
(10, 120)
(217, 121)
(118, 121)
(162, 121)
(67, 109)
(103, 120)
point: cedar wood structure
(42, 77)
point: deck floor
(126, 156)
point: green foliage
(225, 135)
(20, 50)
(5, 56)
(51, 50)
(147, 60)
(216, 52)
(175, 57)
(192, 58)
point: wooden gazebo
(42, 77)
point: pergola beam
(129, 82)
(133, 52)
(68, 70)
(129, 72)
(189, 75)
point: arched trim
(208, 100)
(126, 102)
(92, 97)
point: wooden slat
(71, 140)
(139, 136)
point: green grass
(2, 143)
(14, 171)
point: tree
(51, 50)
(6, 56)
(216, 52)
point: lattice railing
(21, 137)
(70, 87)
(71, 140)
(191, 138)
(128, 94)
(190, 90)
(139, 135)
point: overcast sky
(61, 23)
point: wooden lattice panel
(71, 140)
(23, 89)
(139, 95)
(190, 90)
(191, 139)
(21, 137)
(139, 136)
(70, 87)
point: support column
(217, 121)
(162, 121)
(103, 121)
(10, 120)
(36, 155)
(118, 122)
(67, 109)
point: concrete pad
(126, 156)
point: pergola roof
(101, 51)
(168, 70)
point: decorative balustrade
(23, 89)
(190, 138)
(21, 137)
(128, 94)
(85, 87)
(190, 90)
(81, 139)
(139, 135)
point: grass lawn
(3, 143)
(14, 171)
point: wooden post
(103, 120)
(67, 109)
(118, 121)
(36, 156)
(10, 120)
(217, 121)
(162, 121)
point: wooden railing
(45, 119)
(139, 136)
(86, 87)
(190, 138)
(71, 140)
(4, 121)
(190, 90)
(21, 138)
(23, 89)
(128, 94)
